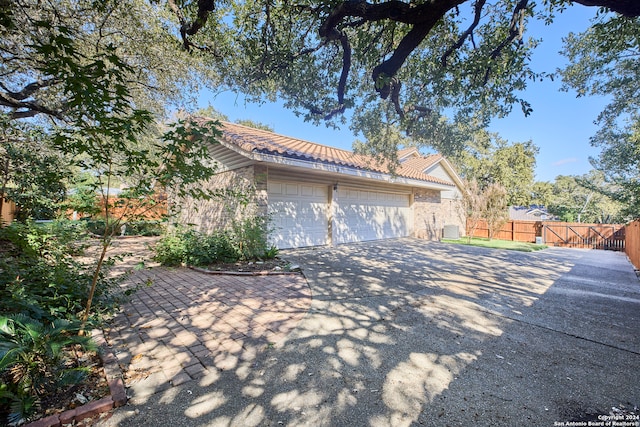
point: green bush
(249, 237)
(34, 361)
(190, 247)
(244, 240)
(133, 228)
(39, 276)
(170, 250)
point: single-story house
(320, 195)
(530, 213)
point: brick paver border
(187, 324)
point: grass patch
(498, 244)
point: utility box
(539, 240)
(451, 232)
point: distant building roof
(530, 213)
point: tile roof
(422, 163)
(264, 142)
(404, 152)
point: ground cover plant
(37, 359)
(43, 291)
(497, 244)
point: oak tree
(602, 65)
(390, 62)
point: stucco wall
(431, 213)
(209, 216)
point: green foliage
(490, 159)
(248, 237)
(470, 206)
(602, 65)
(189, 247)
(31, 174)
(488, 204)
(71, 59)
(41, 277)
(585, 199)
(496, 210)
(328, 57)
(133, 228)
(83, 201)
(253, 124)
(244, 240)
(34, 361)
(542, 193)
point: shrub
(193, 248)
(133, 228)
(34, 361)
(39, 276)
(249, 237)
(244, 240)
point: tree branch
(469, 32)
(421, 17)
(29, 89)
(629, 8)
(24, 109)
(516, 29)
(191, 28)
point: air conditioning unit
(539, 240)
(451, 232)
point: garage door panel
(298, 213)
(361, 215)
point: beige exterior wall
(216, 214)
(431, 212)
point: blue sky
(560, 124)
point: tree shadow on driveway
(409, 332)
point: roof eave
(335, 168)
(348, 171)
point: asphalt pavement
(410, 332)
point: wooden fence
(7, 213)
(518, 231)
(632, 247)
(567, 234)
(587, 236)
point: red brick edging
(117, 397)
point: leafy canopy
(610, 66)
(408, 64)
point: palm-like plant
(33, 361)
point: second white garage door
(360, 215)
(299, 214)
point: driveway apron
(409, 332)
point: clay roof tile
(265, 142)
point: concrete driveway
(409, 332)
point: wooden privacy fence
(589, 236)
(518, 231)
(632, 247)
(553, 233)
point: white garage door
(361, 215)
(299, 214)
